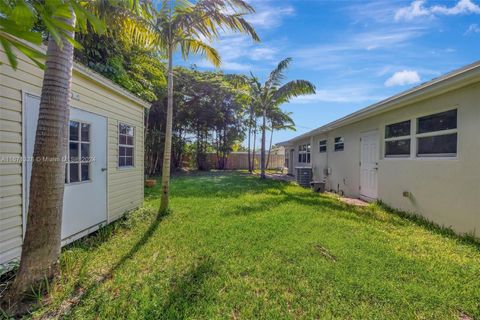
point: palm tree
(279, 120)
(253, 111)
(272, 94)
(188, 27)
(42, 242)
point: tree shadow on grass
(378, 212)
(186, 291)
(84, 293)
(320, 203)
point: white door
(85, 196)
(369, 156)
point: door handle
(104, 169)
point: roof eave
(89, 73)
(451, 81)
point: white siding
(124, 187)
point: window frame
(304, 151)
(437, 133)
(79, 161)
(399, 138)
(323, 143)
(414, 155)
(342, 143)
(120, 145)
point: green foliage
(188, 26)
(135, 68)
(18, 18)
(235, 246)
(267, 98)
(208, 117)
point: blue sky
(355, 52)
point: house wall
(124, 186)
(444, 190)
(297, 164)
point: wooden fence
(239, 160)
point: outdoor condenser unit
(304, 176)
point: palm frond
(208, 17)
(292, 89)
(278, 74)
(189, 46)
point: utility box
(318, 186)
(304, 176)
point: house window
(323, 146)
(339, 144)
(304, 153)
(126, 137)
(398, 139)
(437, 135)
(77, 168)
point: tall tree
(255, 87)
(273, 94)
(41, 246)
(183, 25)
(279, 120)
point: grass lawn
(240, 248)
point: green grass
(240, 248)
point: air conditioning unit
(304, 176)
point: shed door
(85, 197)
(369, 156)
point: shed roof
(455, 79)
(92, 75)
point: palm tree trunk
(168, 136)
(262, 156)
(248, 149)
(254, 146)
(41, 246)
(269, 148)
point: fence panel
(239, 160)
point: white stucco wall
(444, 190)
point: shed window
(323, 146)
(304, 153)
(437, 135)
(339, 144)
(77, 168)
(398, 139)
(126, 138)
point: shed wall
(124, 186)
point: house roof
(92, 75)
(458, 78)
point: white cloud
(462, 7)
(418, 9)
(360, 51)
(386, 38)
(402, 78)
(473, 28)
(268, 16)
